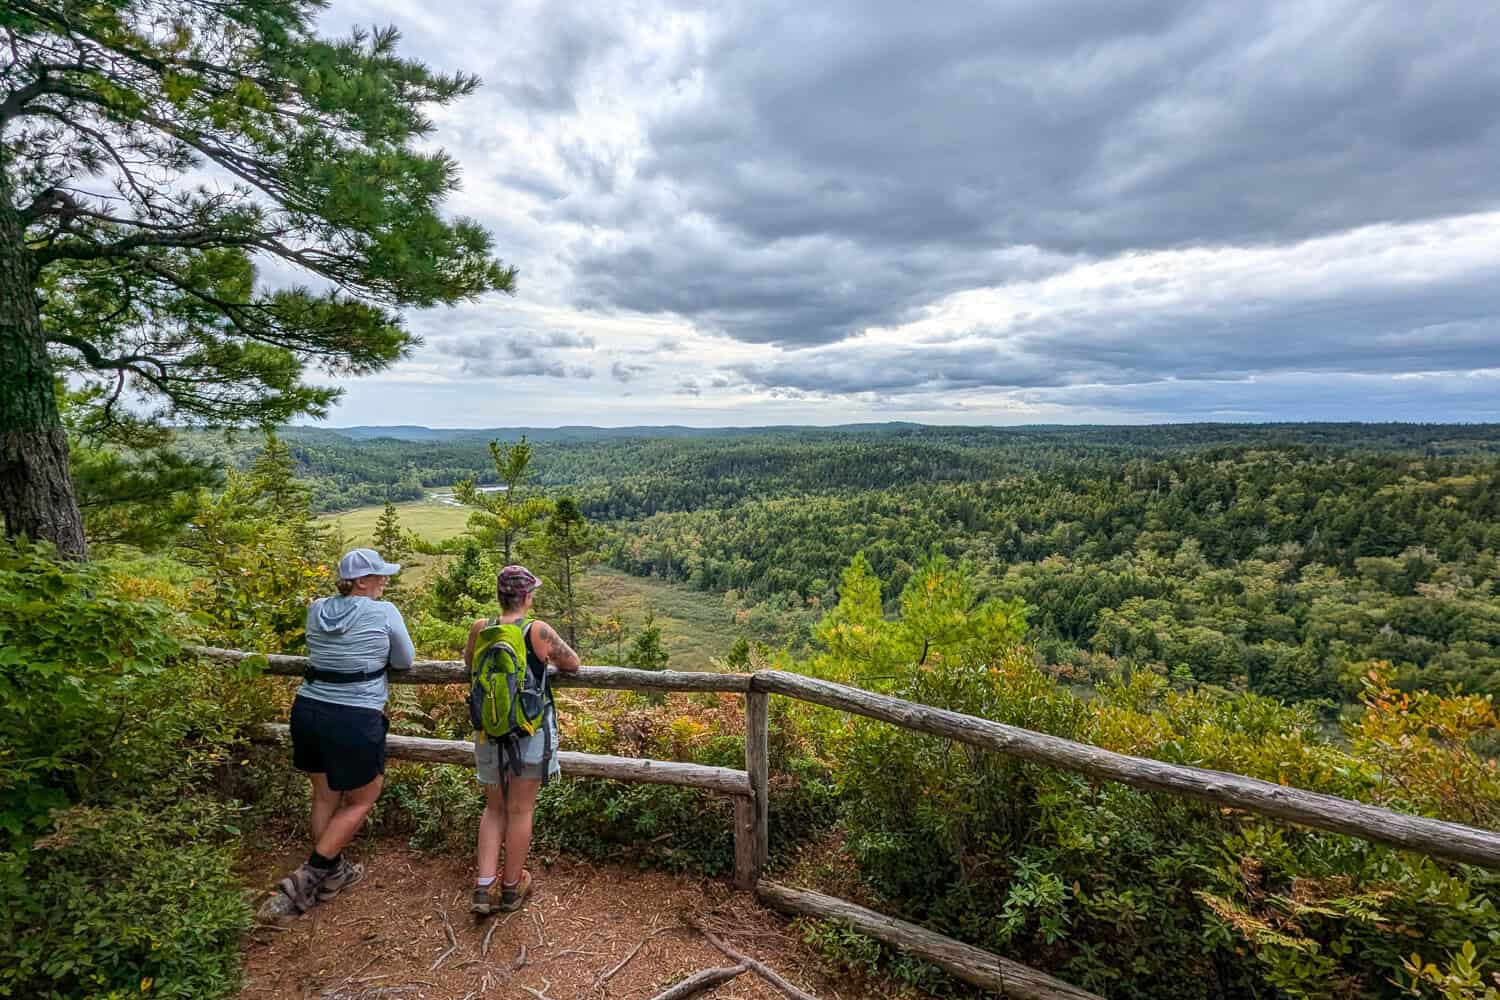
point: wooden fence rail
(1006, 978)
(725, 780)
(454, 672)
(749, 790)
(1436, 838)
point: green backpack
(506, 702)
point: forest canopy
(1275, 558)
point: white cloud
(1040, 212)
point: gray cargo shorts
(487, 756)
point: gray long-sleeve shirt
(355, 634)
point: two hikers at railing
(338, 729)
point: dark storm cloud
(808, 291)
(1092, 126)
(846, 164)
(1194, 316)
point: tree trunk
(572, 604)
(36, 490)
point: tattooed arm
(551, 648)
(474, 631)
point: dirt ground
(603, 933)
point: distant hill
(1432, 438)
(408, 432)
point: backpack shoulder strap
(532, 654)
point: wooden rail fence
(749, 791)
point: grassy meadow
(427, 519)
(696, 627)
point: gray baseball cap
(365, 562)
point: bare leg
(346, 820)
(325, 801)
(492, 826)
(519, 805)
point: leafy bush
(78, 660)
(115, 862)
(125, 900)
(1139, 895)
(435, 808)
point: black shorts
(347, 744)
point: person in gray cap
(339, 724)
(511, 781)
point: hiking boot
(346, 874)
(276, 909)
(486, 899)
(513, 897)
(297, 893)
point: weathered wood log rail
(575, 765)
(749, 790)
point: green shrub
(1139, 895)
(851, 955)
(129, 900)
(434, 807)
(115, 839)
(659, 825)
(1136, 895)
(77, 659)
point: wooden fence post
(746, 871)
(757, 764)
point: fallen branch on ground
(484, 949)
(759, 968)
(350, 978)
(452, 940)
(700, 982)
(540, 994)
(626, 960)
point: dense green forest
(635, 472)
(1280, 569)
(1280, 559)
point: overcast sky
(1020, 212)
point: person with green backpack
(515, 732)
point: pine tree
(273, 477)
(149, 152)
(272, 480)
(390, 541)
(503, 517)
(569, 545)
(647, 652)
(466, 582)
(394, 546)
